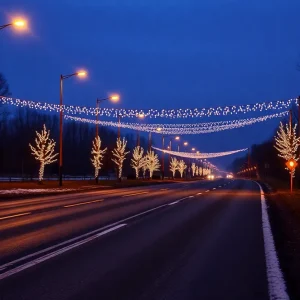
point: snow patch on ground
(33, 191)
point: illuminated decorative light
(173, 166)
(200, 155)
(152, 162)
(194, 168)
(44, 150)
(172, 129)
(153, 113)
(181, 167)
(138, 161)
(287, 142)
(97, 155)
(119, 154)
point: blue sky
(158, 54)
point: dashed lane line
(15, 216)
(83, 203)
(135, 194)
(57, 252)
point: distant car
(210, 177)
(229, 176)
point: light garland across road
(152, 113)
(199, 155)
(197, 128)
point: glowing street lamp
(80, 74)
(114, 98)
(18, 24)
(291, 164)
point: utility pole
(249, 163)
(163, 158)
(291, 124)
(119, 127)
(149, 141)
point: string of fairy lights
(169, 129)
(199, 155)
(152, 113)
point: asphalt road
(194, 240)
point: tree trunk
(41, 172)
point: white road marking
(128, 195)
(220, 186)
(191, 196)
(206, 191)
(199, 194)
(175, 202)
(14, 216)
(276, 283)
(83, 203)
(57, 252)
(163, 189)
(184, 198)
(115, 224)
(214, 188)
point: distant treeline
(17, 130)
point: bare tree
(44, 150)
(119, 154)
(181, 167)
(97, 156)
(152, 162)
(173, 165)
(138, 161)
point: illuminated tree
(138, 161)
(197, 171)
(97, 155)
(44, 150)
(181, 167)
(173, 165)
(152, 162)
(144, 167)
(200, 171)
(119, 154)
(194, 169)
(287, 142)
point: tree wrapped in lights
(287, 142)
(44, 150)
(173, 165)
(152, 162)
(181, 167)
(193, 169)
(197, 171)
(97, 156)
(144, 167)
(138, 161)
(119, 154)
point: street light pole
(62, 77)
(97, 116)
(149, 141)
(163, 157)
(60, 130)
(119, 127)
